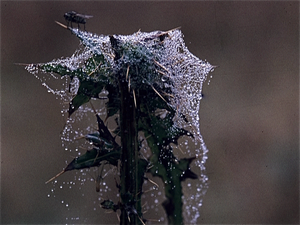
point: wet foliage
(152, 87)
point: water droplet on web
(164, 78)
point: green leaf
(62, 70)
(88, 89)
(94, 157)
(91, 158)
(109, 204)
(99, 141)
(77, 101)
(59, 69)
(91, 88)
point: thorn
(179, 61)
(22, 64)
(149, 167)
(153, 220)
(93, 108)
(94, 69)
(158, 94)
(127, 72)
(105, 119)
(57, 175)
(151, 181)
(144, 192)
(161, 72)
(96, 156)
(109, 211)
(80, 137)
(148, 136)
(141, 220)
(180, 149)
(64, 26)
(168, 31)
(118, 217)
(165, 93)
(138, 31)
(129, 85)
(157, 63)
(134, 98)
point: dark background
(249, 114)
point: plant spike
(62, 25)
(57, 175)
(134, 98)
(158, 94)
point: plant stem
(164, 167)
(129, 186)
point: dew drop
(164, 78)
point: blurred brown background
(249, 113)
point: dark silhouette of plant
(153, 87)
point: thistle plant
(151, 88)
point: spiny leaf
(93, 64)
(105, 135)
(109, 204)
(77, 101)
(91, 88)
(91, 158)
(99, 141)
(61, 70)
(88, 89)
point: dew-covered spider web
(174, 68)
